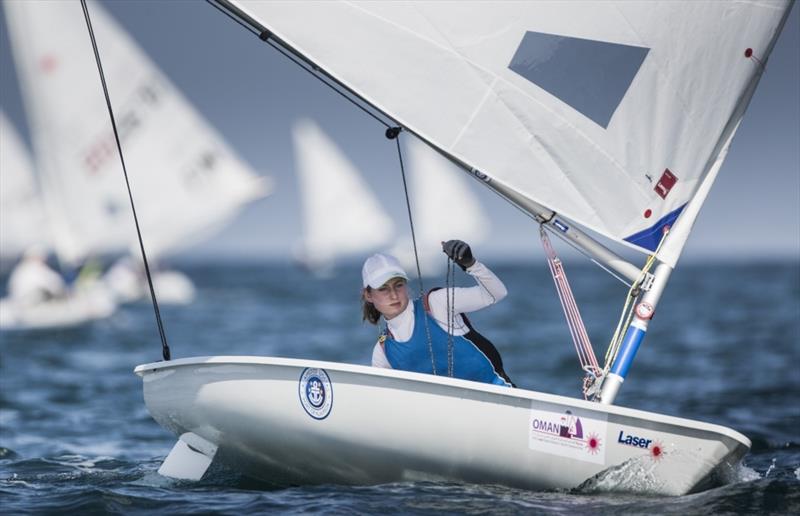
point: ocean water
(724, 347)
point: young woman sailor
(417, 329)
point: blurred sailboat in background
(443, 207)
(37, 297)
(188, 181)
(22, 218)
(342, 217)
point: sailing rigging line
(577, 329)
(575, 324)
(569, 242)
(627, 310)
(309, 67)
(165, 352)
(450, 284)
(393, 133)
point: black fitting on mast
(392, 132)
(264, 35)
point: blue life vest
(474, 357)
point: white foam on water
(740, 473)
(87, 463)
(656, 475)
(632, 476)
(15, 479)
(153, 479)
(770, 469)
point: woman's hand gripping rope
(460, 252)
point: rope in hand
(450, 280)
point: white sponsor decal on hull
(573, 433)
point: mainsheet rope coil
(450, 290)
(165, 352)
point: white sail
(341, 215)
(185, 179)
(443, 208)
(600, 111)
(22, 219)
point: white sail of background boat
(24, 227)
(616, 119)
(22, 219)
(442, 206)
(342, 217)
(189, 180)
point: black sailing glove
(459, 252)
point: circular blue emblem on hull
(316, 392)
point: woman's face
(390, 299)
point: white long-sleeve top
(488, 291)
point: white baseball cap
(380, 268)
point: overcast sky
(251, 94)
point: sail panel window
(590, 76)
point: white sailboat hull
(172, 287)
(76, 309)
(374, 426)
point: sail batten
(520, 91)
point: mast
(634, 335)
(668, 257)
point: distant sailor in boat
(416, 336)
(32, 281)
